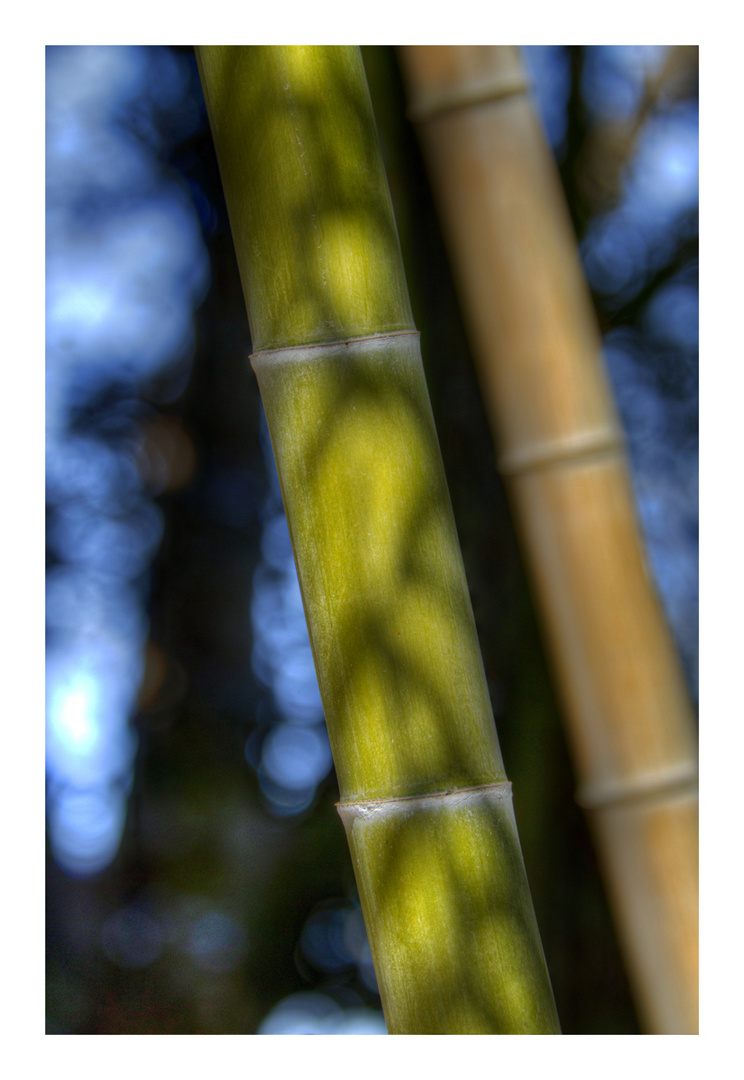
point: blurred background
(198, 879)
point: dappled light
(327, 182)
(373, 533)
(197, 873)
(406, 701)
(418, 866)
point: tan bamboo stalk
(424, 797)
(538, 348)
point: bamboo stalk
(424, 798)
(535, 340)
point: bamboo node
(558, 451)
(660, 783)
(432, 105)
(497, 792)
(288, 352)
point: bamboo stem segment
(424, 797)
(453, 860)
(379, 566)
(538, 348)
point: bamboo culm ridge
(424, 797)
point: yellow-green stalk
(424, 797)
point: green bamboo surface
(424, 796)
(309, 205)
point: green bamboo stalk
(424, 797)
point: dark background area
(198, 880)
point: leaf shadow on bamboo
(386, 599)
(489, 928)
(356, 388)
(424, 864)
(367, 628)
(379, 565)
(346, 201)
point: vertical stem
(424, 798)
(539, 352)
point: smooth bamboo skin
(538, 348)
(454, 862)
(626, 707)
(655, 846)
(380, 570)
(306, 191)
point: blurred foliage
(223, 901)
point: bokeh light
(313, 1013)
(615, 76)
(126, 265)
(132, 937)
(550, 78)
(295, 754)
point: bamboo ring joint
(682, 780)
(500, 791)
(429, 106)
(557, 451)
(317, 348)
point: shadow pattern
(294, 131)
(453, 864)
(399, 667)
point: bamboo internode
(384, 589)
(538, 348)
(440, 874)
(460, 868)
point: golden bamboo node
(680, 780)
(430, 106)
(557, 451)
(497, 792)
(305, 351)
